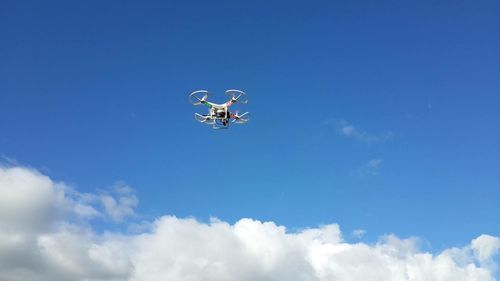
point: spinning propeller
(198, 97)
(204, 119)
(240, 119)
(237, 96)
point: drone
(219, 115)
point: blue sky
(377, 115)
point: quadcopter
(219, 115)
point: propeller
(237, 96)
(240, 119)
(198, 97)
(203, 119)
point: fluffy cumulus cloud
(46, 234)
(120, 202)
(41, 237)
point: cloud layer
(46, 234)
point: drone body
(219, 115)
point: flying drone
(219, 115)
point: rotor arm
(206, 103)
(230, 102)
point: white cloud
(170, 248)
(368, 169)
(485, 247)
(120, 202)
(38, 240)
(346, 129)
(374, 163)
(358, 233)
(115, 203)
(27, 199)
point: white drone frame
(218, 114)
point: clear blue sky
(94, 92)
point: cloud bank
(46, 234)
